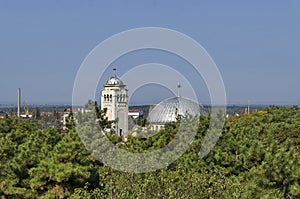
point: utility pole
(248, 110)
(19, 101)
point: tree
(36, 113)
(256, 156)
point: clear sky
(255, 44)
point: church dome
(167, 110)
(114, 81)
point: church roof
(169, 109)
(113, 81)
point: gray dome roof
(167, 110)
(114, 81)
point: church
(114, 98)
(170, 109)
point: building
(168, 110)
(135, 114)
(26, 113)
(114, 98)
(2, 114)
(65, 116)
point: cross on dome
(178, 89)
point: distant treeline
(232, 109)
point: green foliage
(143, 122)
(257, 156)
(36, 113)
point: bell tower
(114, 98)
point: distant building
(114, 98)
(26, 114)
(66, 114)
(2, 114)
(135, 114)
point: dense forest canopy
(257, 156)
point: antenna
(178, 89)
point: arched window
(110, 97)
(104, 97)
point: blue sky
(255, 44)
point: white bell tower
(114, 98)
